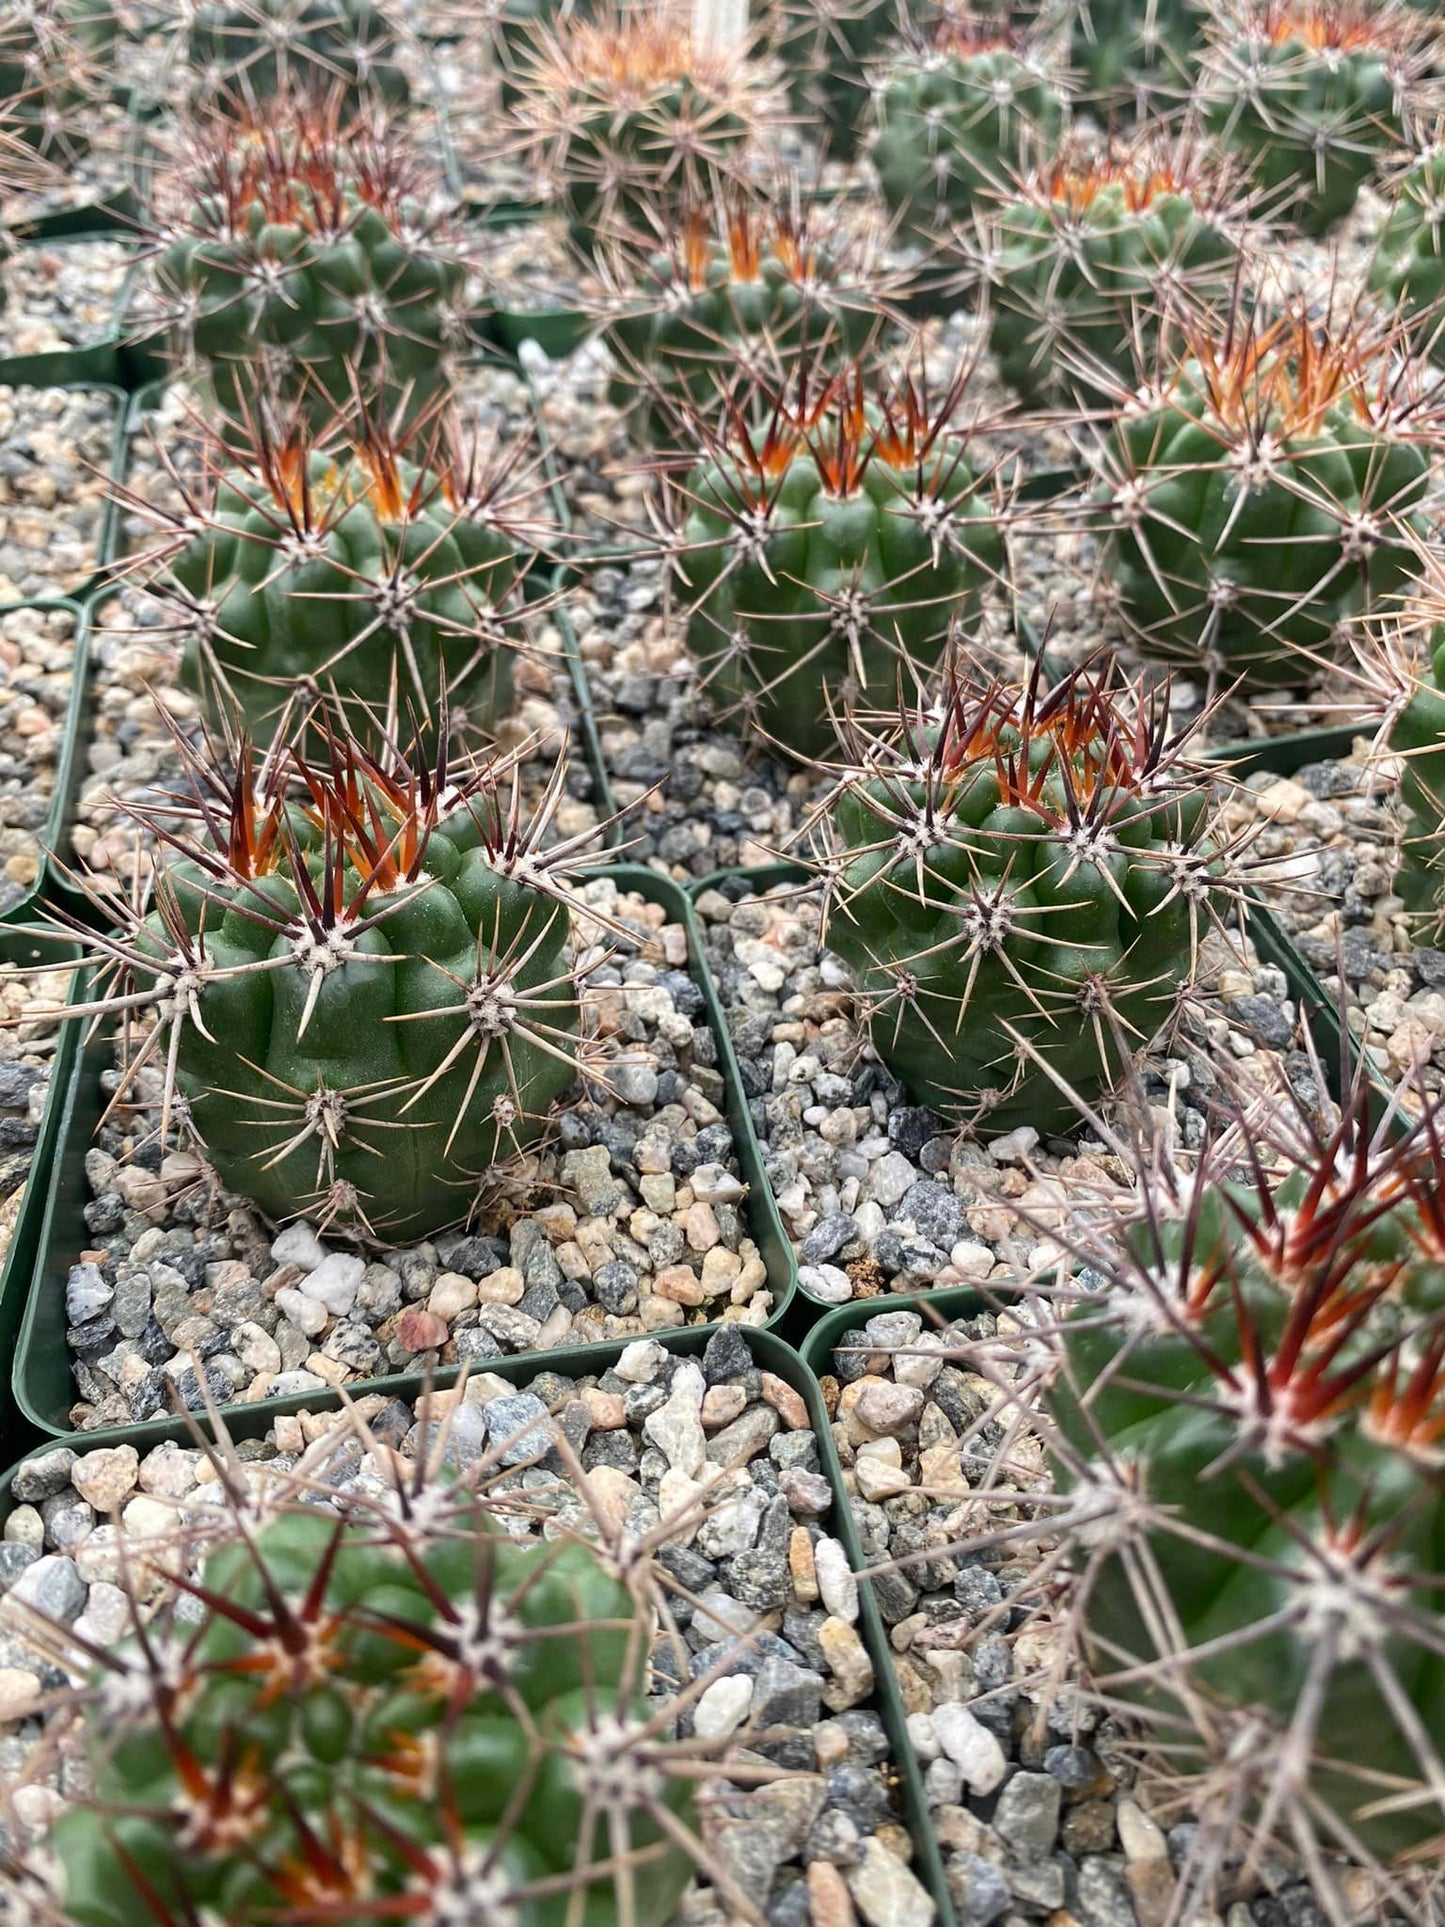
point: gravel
(61, 296)
(56, 446)
(629, 1219)
(28, 1038)
(37, 656)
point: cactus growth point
(382, 573)
(257, 50)
(827, 546)
(960, 113)
(1086, 257)
(357, 975)
(310, 243)
(1022, 872)
(1262, 492)
(1312, 93)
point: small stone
(676, 1427)
(641, 1361)
(971, 1747)
(787, 1403)
(979, 1891)
(801, 1565)
(878, 1480)
(419, 1330)
(828, 1901)
(826, 1283)
(513, 1424)
(299, 1245)
(886, 1891)
(837, 1586)
(848, 1662)
(808, 1494)
(54, 1587)
(41, 1478)
(722, 1404)
(1027, 1816)
(105, 1478)
(453, 1293)
(335, 1282)
(19, 1692)
(723, 1707)
(308, 1314)
(885, 1409)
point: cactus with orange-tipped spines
(384, 572)
(828, 543)
(310, 243)
(1263, 490)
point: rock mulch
(56, 446)
(62, 296)
(37, 661)
(29, 1035)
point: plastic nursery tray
(42, 1381)
(70, 763)
(770, 1354)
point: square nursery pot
(42, 1379)
(769, 1354)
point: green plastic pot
(42, 1381)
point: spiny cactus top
(51, 79)
(401, 1713)
(746, 291)
(959, 114)
(1022, 872)
(256, 49)
(1263, 489)
(316, 245)
(1313, 92)
(1408, 268)
(383, 572)
(632, 120)
(823, 47)
(1250, 1419)
(356, 971)
(1085, 256)
(829, 542)
(1126, 47)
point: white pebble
(298, 1244)
(723, 1707)
(971, 1747)
(836, 1584)
(335, 1282)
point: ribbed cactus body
(1265, 1377)
(1264, 500)
(1418, 737)
(333, 296)
(1122, 47)
(1005, 886)
(841, 567)
(1408, 269)
(824, 47)
(624, 165)
(423, 1747)
(390, 592)
(51, 86)
(261, 48)
(1082, 268)
(955, 124)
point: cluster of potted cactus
(838, 276)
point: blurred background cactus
(52, 81)
(1128, 50)
(255, 50)
(1408, 267)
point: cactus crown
(963, 35)
(1142, 171)
(1336, 26)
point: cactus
(827, 546)
(1087, 256)
(959, 114)
(310, 245)
(749, 290)
(1262, 491)
(1312, 93)
(1248, 1415)
(1022, 872)
(51, 86)
(1408, 266)
(257, 50)
(386, 575)
(358, 979)
(1130, 48)
(415, 1708)
(1403, 681)
(824, 47)
(632, 121)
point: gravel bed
(628, 1219)
(876, 1193)
(37, 655)
(524, 267)
(758, 1588)
(97, 176)
(56, 446)
(28, 1037)
(61, 297)
(1035, 1794)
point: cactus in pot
(1407, 269)
(51, 81)
(257, 50)
(1127, 50)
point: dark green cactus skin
(771, 633)
(1418, 736)
(446, 938)
(284, 619)
(1408, 269)
(1076, 294)
(1196, 1463)
(953, 128)
(327, 43)
(316, 305)
(1347, 100)
(1074, 928)
(621, 170)
(1125, 47)
(687, 336)
(1270, 574)
(824, 46)
(50, 86)
(337, 1757)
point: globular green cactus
(1086, 257)
(1248, 1418)
(1408, 266)
(384, 574)
(1312, 93)
(1262, 492)
(632, 121)
(357, 974)
(51, 82)
(827, 546)
(404, 1711)
(1128, 49)
(960, 114)
(824, 47)
(1022, 872)
(309, 243)
(748, 291)
(256, 50)
(1405, 671)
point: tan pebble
(146, 1518)
(611, 1493)
(607, 1411)
(830, 1744)
(721, 1404)
(701, 1227)
(828, 1902)
(801, 1566)
(679, 1283)
(504, 1286)
(787, 1403)
(106, 1477)
(19, 1692)
(720, 1270)
(452, 1293)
